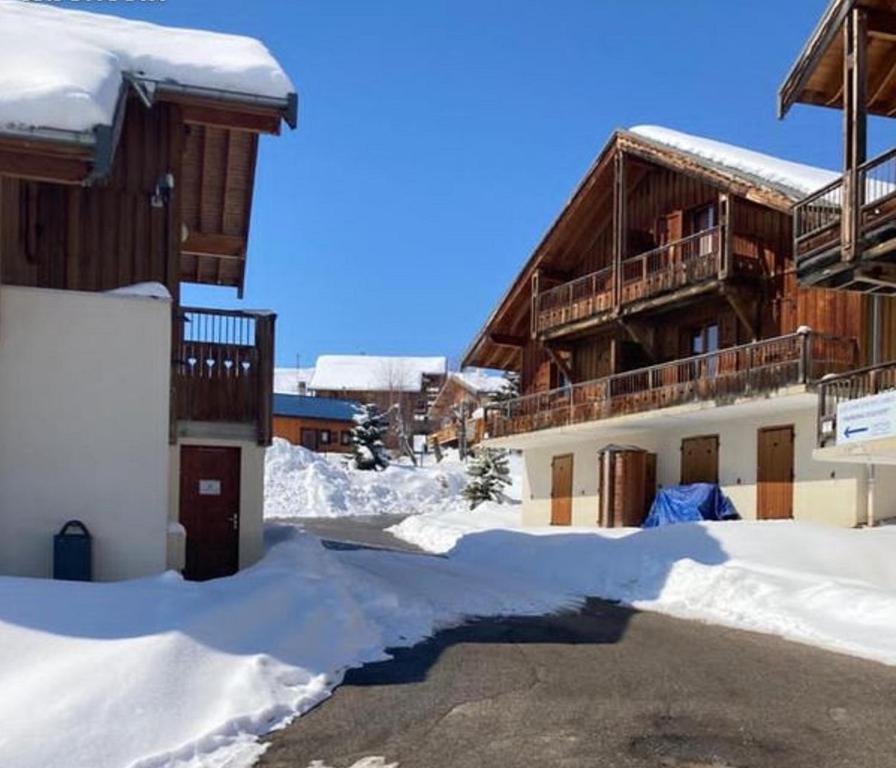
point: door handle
(235, 521)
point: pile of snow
(162, 672)
(372, 373)
(301, 483)
(287, 381)
(795, 177)
(63, 69)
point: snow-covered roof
(794, 179)
(372, 373)
(287, 380)
(479, 380)
(63, 69)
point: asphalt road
(367, 531)
(607, 687)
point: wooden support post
(561, 363)
(620, 226)
(726, 234)
(741, 309)
(264, 341)
(855, 129)
(533, 316)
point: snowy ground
(162, 672)
(301, 483)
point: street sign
(868, 418)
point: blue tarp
(690, 504)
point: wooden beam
(855, 127)
(641, 335)
(562, 364)
(59, 169)
(223, 246)
(742, 309)
(506, 340)
(206, 113)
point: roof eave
(819, 41)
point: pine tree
(509, 390)
(367, 438)
(489, 473)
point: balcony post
(264, 341)
(855, 119)
(725, 235)
(620, 226)
(805, 362)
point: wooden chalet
(164, 195)
(161, 193)
(667, 288)
(845, 232)
(666, 276)
(462, 399)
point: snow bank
(162, 672)
(63, 69)
(151, 290)
(797, 177)
(301, 483)
(370, 373)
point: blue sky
(438, 139)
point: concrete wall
(251, 497)
(831, 493)
(84, 390)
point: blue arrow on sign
(850, 431)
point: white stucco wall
(251, 496)
(824, 492)
(84, 393)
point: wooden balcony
(819, 221)
(662, 273)
(849, 386)
(750, 369)
(448, 435)
(223, 368)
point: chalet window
(703, 219)
(325, 437)
(703, 341)
(346, 437)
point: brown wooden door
(649, 482)
(700, 459)
(561, 490)
(209, 510)
(774, 471)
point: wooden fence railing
(834, 390)
(224, 367)
(817, 219)
(763, 366)
(689, 261)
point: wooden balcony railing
(224, 367)
(580, 299)
(763, 366)
(817, 220)
(689, 261)
(834, 390)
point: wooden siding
(104, 236)
(290, 428)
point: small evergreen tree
(509, 390)
(489, 472)
(367, 438)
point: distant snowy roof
(480, 381)
(287, 380)
(794, 179)
(371, 373)
(63, 69)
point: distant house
(127, 156)
(464, 395)
(404, 386)
(316, 423)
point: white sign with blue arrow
(868, 418)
